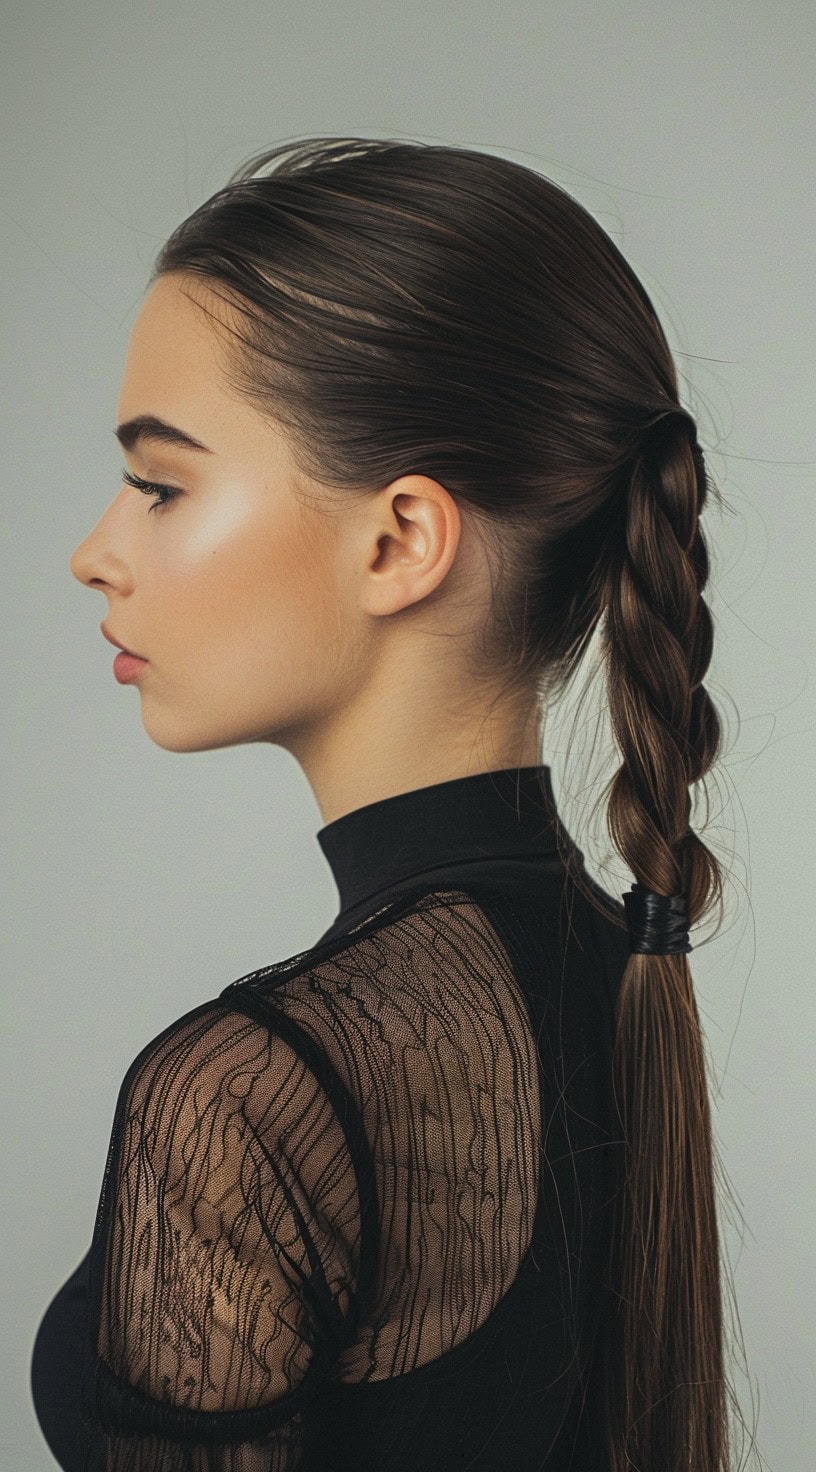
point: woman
(438, 1191)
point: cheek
(244, 584)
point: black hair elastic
(657, 923)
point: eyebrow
(149, 427)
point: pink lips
(115, 642)
(127, 667)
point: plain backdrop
(138, 882)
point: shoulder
(222, 1119)
(222, 1065)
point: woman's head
(267, 609)
(447, 444)
(425, 376)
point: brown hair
(412, 308)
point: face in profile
(270, 608)
(230, 589)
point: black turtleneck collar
(506, 813)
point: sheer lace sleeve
(224, 1257)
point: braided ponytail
(666, 1360)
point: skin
(343, 636)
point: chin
(175, 737)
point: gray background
(136, 884)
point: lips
(117, 645)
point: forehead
(174, 365)
(172, 334)
(175, 371)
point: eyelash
(151, 488)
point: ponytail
(664, 1380)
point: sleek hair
(411, 308)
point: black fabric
(355, 1209)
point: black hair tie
(657, 923)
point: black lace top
(355, 1208)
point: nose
(76, 564)
(94, 562)
(85, 565)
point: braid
(658, 641)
